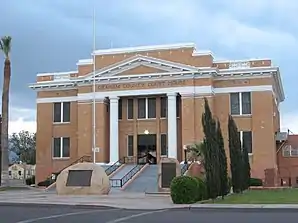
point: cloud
(53, 35)
(289, 121)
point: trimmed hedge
(202, 189)
(184, 190)
(255, 182)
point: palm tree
(197, 151)
(5, 47)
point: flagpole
(94, 90)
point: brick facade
(156, 72)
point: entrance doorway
(147, 148)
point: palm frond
(5, 45)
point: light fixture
(146, 132)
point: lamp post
(185, 154)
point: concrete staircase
(146, 181)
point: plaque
(168, 172)
(79, 178)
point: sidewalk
(120, 200)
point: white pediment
(163, 66)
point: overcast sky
(51, 35)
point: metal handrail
(122, 181)
(80, 160)
(114, 167)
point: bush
(202, 189)
(255, 182)
(184, 190)
(30, 180)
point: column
(114, 132)
(172, 126)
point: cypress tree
(210, 153)
(235, 156)
(246, 168)
(223, 169)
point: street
(68, 214)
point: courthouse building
(151, 98)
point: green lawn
(278, 196)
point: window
(61, 147)
(289, 151)
(9, 173)
(163, 145)
(130, 145)
(151, 107)
(163, 107)
(178, 105)
(240, 103)
(20, 173)
(62, 112)
(120, 109)
(146, 108)
(246, 140)
(130, 108)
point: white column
(172, 126)
(114, 137)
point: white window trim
(61, 148)
(240, 104)
(290, 149)
(241, 140)
(61, 114)
(146, 109)
(132, 109)
(127, 145)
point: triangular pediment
(140, 64)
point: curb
(192, 206)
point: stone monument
(83, 179)
(168, 169)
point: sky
(51, 35)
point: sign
(155, 84)
(95, 149)
(79, 178)
(168, 172)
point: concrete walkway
(122, 200)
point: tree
(235, 156)
(246, 168)
(223, 168)
(24, 145)
(5, 47)
(210, 152)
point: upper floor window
(164, 106)
(240, 103)
(130, 108)
(61, 147)
(120, 108)
(246, 140)
(146, 108)
(289, 151)
(62, 112)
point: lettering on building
(155, 84)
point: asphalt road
(64, 214)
